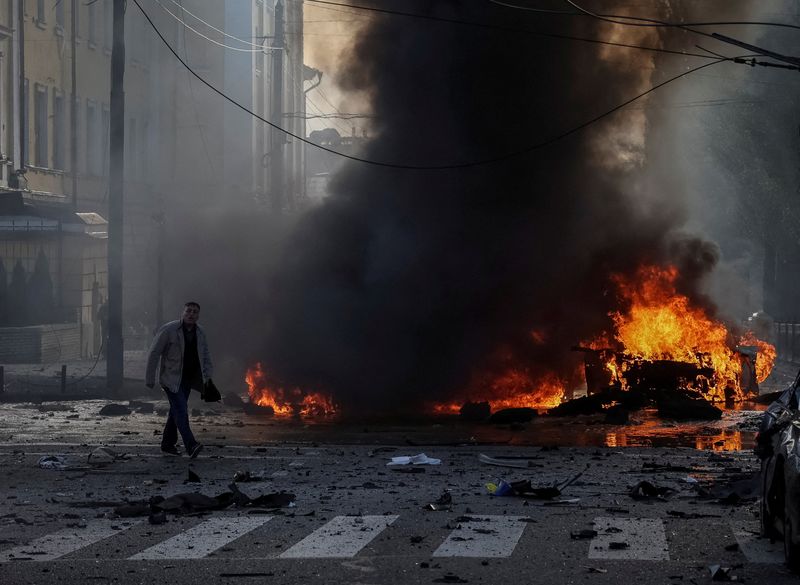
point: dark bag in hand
(210, 392)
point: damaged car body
(778, 448)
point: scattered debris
(584, 534)
(444, 503)
(420, 459)
(232, 399)
(52, 462)
(644, 490)
(690, 515)
(253, 409)
(192, 477)
(141, 407)
(597, 570)
(719, 573)
(522, 489)
(683, 406)
(246, 476)
(507, 461)
(192, 503)
(104, 456)
(114, 409)
(475, 411)
(450, 578)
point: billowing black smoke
(406, 282)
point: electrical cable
(507, 29)
(464, 165)
(198, 33)
(211, 26)
(651, 22)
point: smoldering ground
(405, 283)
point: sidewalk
(85, 379)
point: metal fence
(787, 343)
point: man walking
(185, 364)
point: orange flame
(286, 402)
(766, 355)
(661, 324)
(514, 388)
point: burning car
(778, 448)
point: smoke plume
(407, 282)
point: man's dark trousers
(178, 419)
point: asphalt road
(357, 520)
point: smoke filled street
(396, 291)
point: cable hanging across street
(437, 167)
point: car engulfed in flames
(662, 340)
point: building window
(106, 138)
(132, 168)
(76, 11)
(80, 157)
(40, 125)
(59, 131)
(108, 29)
(145, 140)
(93, 160)
(26, 136)
(93, 24)
(60, 12)
(41, 12)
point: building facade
(184, 144)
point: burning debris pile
(283, 402)
(662, 341)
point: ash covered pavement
(322, 505)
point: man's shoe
(193, 452)
(173, 450)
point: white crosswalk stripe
(479, 536)
(64, 542)
(629, 539)
(483, 536)
(342, 537)
(203, 539)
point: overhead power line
(636, 20)
(260, 48)
(463, 165)
(211, 26)
(507, 28)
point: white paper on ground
(420, 459)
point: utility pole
(73, 117)
(23, 110)
(114, 366)
(277, 138)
